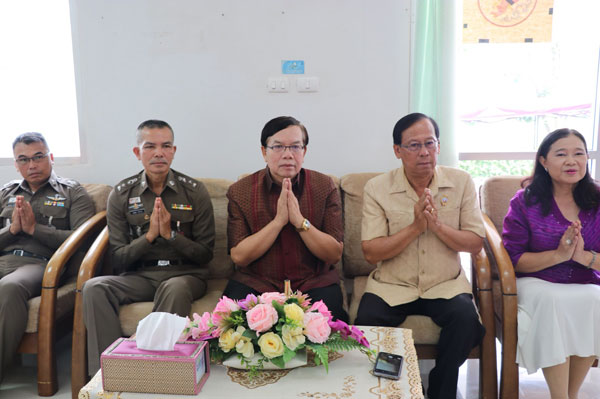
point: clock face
(506, 13)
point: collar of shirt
(297, 181)
(400, 183)
(51, 180)
(171, 182)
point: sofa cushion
(495, 195)
(131, 314)
(65, 302)
(424, 330)
(352, 200)
(221, 265)
(99, 194)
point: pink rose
(223, 310)
(202, 331)
(316, 327)
(261, 317)
(269, 297)
(320, 307)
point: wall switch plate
(278, 85)
(307, 84)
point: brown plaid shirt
(253, 204)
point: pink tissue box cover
(125, 368)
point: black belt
(159, 263)
(22, 252)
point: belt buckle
(19, 252)
(162, 262)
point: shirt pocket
(57, 216)
(138, 224)
(183, 222)
(450, 217)
(397, 220)
(6, 216)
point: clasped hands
(160, 222)
(426, 214)
(571, 245)
(23, 219)
(288, 209)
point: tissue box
(184, 370)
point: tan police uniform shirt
(426, 268)
(130, 205)
(60, 206)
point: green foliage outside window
(483, 169)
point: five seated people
(285, 223)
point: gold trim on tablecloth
(387, 341)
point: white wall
(203, 66)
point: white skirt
(556, 321)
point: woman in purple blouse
(552, 233)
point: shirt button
(423, 251)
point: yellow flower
(270, 345)
(230, 338)
(245, 347)
(292, 336)
(294, 312)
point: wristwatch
(304, 226)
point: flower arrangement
(275, 326)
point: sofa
(353, 269)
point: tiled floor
(20, 380)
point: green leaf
(288, 354)
(278, 361)
(248, 333)
(321, 354)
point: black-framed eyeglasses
(295, 148)
(36, 159)
(414, 147)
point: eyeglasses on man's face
(295, 148)
(414, 147)
(22, 161)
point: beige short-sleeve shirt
(427, 268)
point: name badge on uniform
(181, 207)
(135, 200)
(136, 208)
(12, 200)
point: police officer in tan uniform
(37, 214)
(161, 229)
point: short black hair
(30, 138)
(409, 120)
(277, 124)
(152, 124)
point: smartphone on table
(388, 365)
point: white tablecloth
(349, 376)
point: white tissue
(159, 331)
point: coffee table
(349, 376)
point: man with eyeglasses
(161, 231)
(37, 213)
(416, 219)
(285, 223)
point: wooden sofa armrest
(89, 266)
(50, 282)
(506, 271)
(509, 379)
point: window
(513, 94)
(37, 77)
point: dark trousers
(461, 332)
(331, 296)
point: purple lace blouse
(527, 230)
